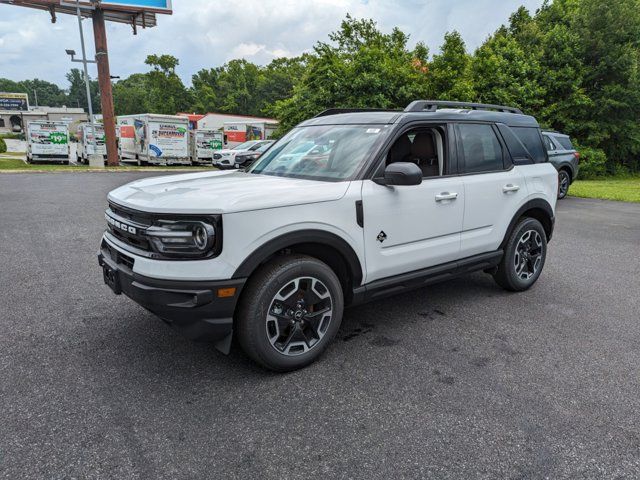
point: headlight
(183, 238)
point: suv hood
(223, 192)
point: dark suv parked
(564, 157)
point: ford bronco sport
(388, 201)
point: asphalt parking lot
(460, 380)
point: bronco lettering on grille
(121, 225)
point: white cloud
(206, 33)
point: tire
(520, 268)
(564, 181)
(278, 332)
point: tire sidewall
(258, 298)
(521, 228)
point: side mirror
(401, 173)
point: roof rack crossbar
(336, 111)
(432, 106)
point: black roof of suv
(427, 110)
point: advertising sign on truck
(239, 132)
(154, 139)
(47, 141)
(203, 144)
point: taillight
(577, 155)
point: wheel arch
(325, 246)
(536, 208)
(566, 166)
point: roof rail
(336, 111)
(432, 106)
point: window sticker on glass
(373, 130)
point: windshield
(244, 146)
(321, 152)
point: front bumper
(196, 309)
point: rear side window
(532, 139)
(565, 142)
(481, 149)
(548, 143)
(518, 151)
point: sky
(208, 33)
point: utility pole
(35, 94)
(104, 82)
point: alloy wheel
(528, 256)
(299, 316)
(563, 184)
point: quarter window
(548, 143)
(530, 137)
(481, 149)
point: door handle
(509, 187)
(446, 196)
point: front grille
(137, 221)
(117, 256)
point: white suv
(389, 201)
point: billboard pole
(104, 83)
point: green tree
(450, 71)
(610, 34)
(362, 67)
(49, 94)
(77, 93)
(505, 73)
(131, 95)
(166, 92)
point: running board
(426, 276)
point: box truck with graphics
(203, 143)
(47, 141)
(85, 147)
(150, 139)
(236, 133)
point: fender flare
(286, 240)
(537, 203)
(568, 166)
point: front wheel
(524, 256)
(290, 310)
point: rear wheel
(290, 310)
(524, 256)
(564, 180)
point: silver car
(564, 157)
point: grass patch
(8, 164)
(18, 165)
(623, 189)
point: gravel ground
(459, 380)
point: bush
(3, 146)
(593, 163)
(12, 136)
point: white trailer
(203, 143)
(154, 139)
(236, 133)
(47, 141)
(84, 147)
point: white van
(47, 141)
(84, 148)
(150, 139)
(203, 144)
